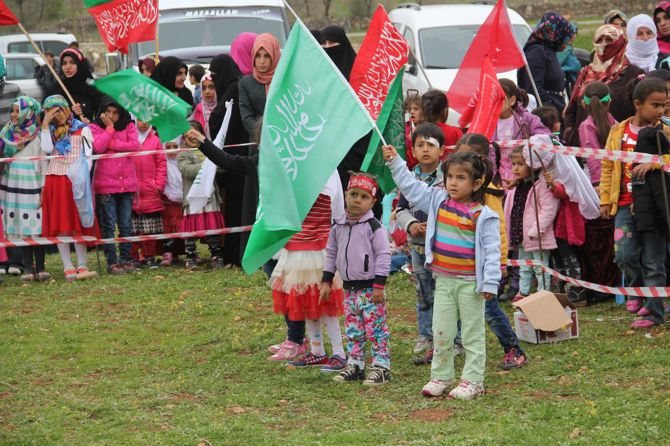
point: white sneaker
(458, 349)
(436, 387)
(14, 271)
(467, 390)
(421, 345)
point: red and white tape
(37, 241)
(117, 155)
(626, 291)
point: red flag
(6, 16)
(382, 55)
(121, 22)
(485, 105)
(494, 39)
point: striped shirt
(454, 242)
(315, 228)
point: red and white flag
(382, 55)
(494, 39)
(6, 15)
(122, 22)
(485, 106)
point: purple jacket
(358, 252)
(526, 125)
(588, 137)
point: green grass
(173, 358)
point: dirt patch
(433, 415)
(7, 394)
(245, 352)
(183, 396)
(403, 313)
(42, 382)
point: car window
(20, 69)
(409, 37)
(53, 46)
(444, 47)
(20, 47)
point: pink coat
(115, 175)
(547, 210)
(588, 137)
(151, 171)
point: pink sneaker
(288, 351)
(643, 323)
(633, 305)
(275, 348)
(643, 312)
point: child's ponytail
(597, 100)
(434, 106)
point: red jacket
(570, 225)
(115, 175)
(451, 136)
(151, 173)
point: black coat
(547, 73)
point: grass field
(178, 358)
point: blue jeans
(425, 294)
(526, 272)
(116, 209)
(627, 247)
(653, 265)
(397, 262)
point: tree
(326, 6)
(32, 12)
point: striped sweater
(454, 242)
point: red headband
(363, 182)
(72, 52)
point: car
(22, 71)
(440, 35)
(51, 42)
(197, 30)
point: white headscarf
(642, 53)
(174, 188)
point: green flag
(93, 3)
(148, 101)
(391, 122)
(312, 118)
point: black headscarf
(166, 73)
(317, 34)
(343, 55)
(124, 116)
(224, 71)
(78, 81)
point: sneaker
(275, 348)
(513, 360)
(335, 364)
(351, 373)
(217, 263)
(152, 263)
(70, 274)
(14, 271)
(509, 295)
(167, 259)
(191, 264)
(116, 270)
(43, 276)
(84, 273)
(130, 267)
(643, 323)
(288, 351)
(467, 390)
(377, 377)
(30, 277)
(422, 344)
(427, 358)
(436, 387)
(518, 297)
(633, 305)
(643, 312)
(3, 271)
(309, 360)
(458, 349)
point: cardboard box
(545, 317)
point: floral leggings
(365, 321)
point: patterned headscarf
(609, 60)
(553, 30)
(613, 15)
(12, 135)
(60, 135)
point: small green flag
(312, 118)
(391, 122)
(148, 101)
(93, 3)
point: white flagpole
(339, 73)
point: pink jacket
(547, 210)
(151, 171)
(115, 175)
(526, 125)
(588, 137)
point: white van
(197, 30)
(48, 42)
(440, 35)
